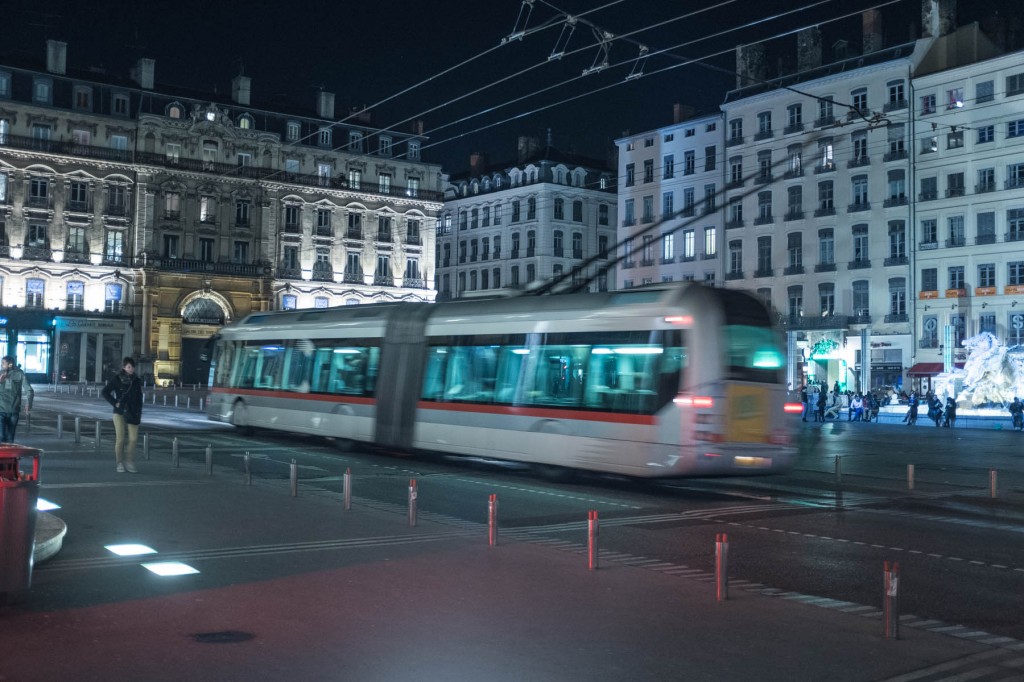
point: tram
(669, 380)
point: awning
(929, 369)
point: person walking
(16, 396)
(1017, 413)
(124, 392)
(805, 398)
(819, 415)
(950, 415)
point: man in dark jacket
(16, 395)
(124, 392)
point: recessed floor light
(166, 568)
(130, 550)
(45, 505)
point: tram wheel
(553, 473)
(240, 418)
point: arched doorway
(201, 317)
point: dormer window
(175, 111)
(120, 104)
(245, 122)
(292, 133)
(385, 145)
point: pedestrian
(1017, 412)
(819, 416)
(856, 412)
(16, 396)
(124, 392)
(911, 417)
(806, 400)
(934, 409)
(950, 415)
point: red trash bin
(19, 494)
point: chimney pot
(56, 57)
(143, 73)
(241, 89)
(325, 104)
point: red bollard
(891, 603)
(492, 520)
(721, 566)
(593, 530)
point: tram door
(401, 375)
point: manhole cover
(223, 637)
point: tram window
(344, 368)
(556, 375)
(752, 354)
(433, 375)
(508, 386)
(296, 368)
(269, 365)
(470, 374)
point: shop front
(90, 349)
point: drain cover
(222, 637)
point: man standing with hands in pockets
(124, 392)
(16, 395)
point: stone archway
(203, 313)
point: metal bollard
(891, 603)
(202, 401)
(175, 399)
(248, 469)
(910, 477)
(209, 460)
(78, 430)
(145, 445)
(60, 426)
(295, 479)
(347, 488)
(165, 401)
(839, 469)
(97, 435)
(593, 531)
(721, 566)
(412, 501)
(993, 480)
(492, 520)
(188, 403)
(174, 452)
(154, 397)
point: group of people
(824, 404)
(123, 392)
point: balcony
(793, 215)
(793, 173)
(858, 206)
(764, 272)
(39, 202)
(823, 211)
(985, 238)
(558, 252)
(895, 155)
(858, 264)
(733, 275)
(764, 135)
(414, 283)
(861, 317)
(646, 263)
(794, 270)
(628, 265)
(927, 196)
(830, 321)
(628, 222)
(732, 224)
(354, 234)
(43, 253)
(824, 121)
(734, 141)
(954, 192)
(383, 236)
(734, 184)
(576, 253)
(855, 113)
(76, 256)
(1014, 236)
(289, 273)
(514, 254)
(688, 212)
(897, 260)
(764, 220)
(202, 266)
(709, 256)
(292, 228)
(824, 168)
(956, 241)
(793, 128)
(531, 251)
(928, 245)
(383, 280)
(323, 273)
(763, 178)
(172, 216)
(324, 231)
(891, 202)
(894, 318)
(859, 161)
(354, 278)
(413, 240)
(670, 261)
(1013, 183)
(825, 267)
(79, 206)
(116, 209)
(895, 105)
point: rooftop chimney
(681, 112)
(938, 17)
(808, 49)
(56, 57)
(872, 22)
(527, 147)
(750, 64)
(142, 73)
(477, 163)
(325, 104)
(241, 88)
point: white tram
(662, 381)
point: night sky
(366, 52)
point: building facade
(549, 216)
(670, 226)
(138, 220)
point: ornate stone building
(138, 219)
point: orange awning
(929, 369)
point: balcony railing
(763, 135)
(831, 321)
(1013, 183)
(859, 161)
(197, 265)
(414, 283)
(322, 231)
(895, 155)
(927, 196)
(353, 234)
(763, 178)
(794, 215)
(822, 211)
(764, 272)
(70, 148)
(1014, 236)
(824, 168)
(793, 128)
(928, 245)
(79, 206)
(733, 275)
(731, 224)
(116, 209)
(734, 140)
(824, 121)
(955, 192)
(37, 253)
(323, 273)
(383, 280)
(900, 200)
(793, 173)
(895, 105)
(893, 318)
(956, 241)
(289, 273)
(76, 256)
(793, 270)
(985, 239)
(983, 187)
(292, 228)
(354, 278)
(859, 264)
(825, 267)
(897, 260)
(764, 220)
(858, 206)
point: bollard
(154, 397)
(593, 530)
(175, 399)
(78, 430)
(412, 501)
(891, 603)
(248, 469)
(60, 426)
(347, 488)
(97, 435)
(201, 403)
(993, 479)
(188, 403)
(722, 566)
(174, 452)
(209, 460)
(910, 477)
(295, 479)
(165, 401)
(145, 445)
(492, 520)
(839, 469)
